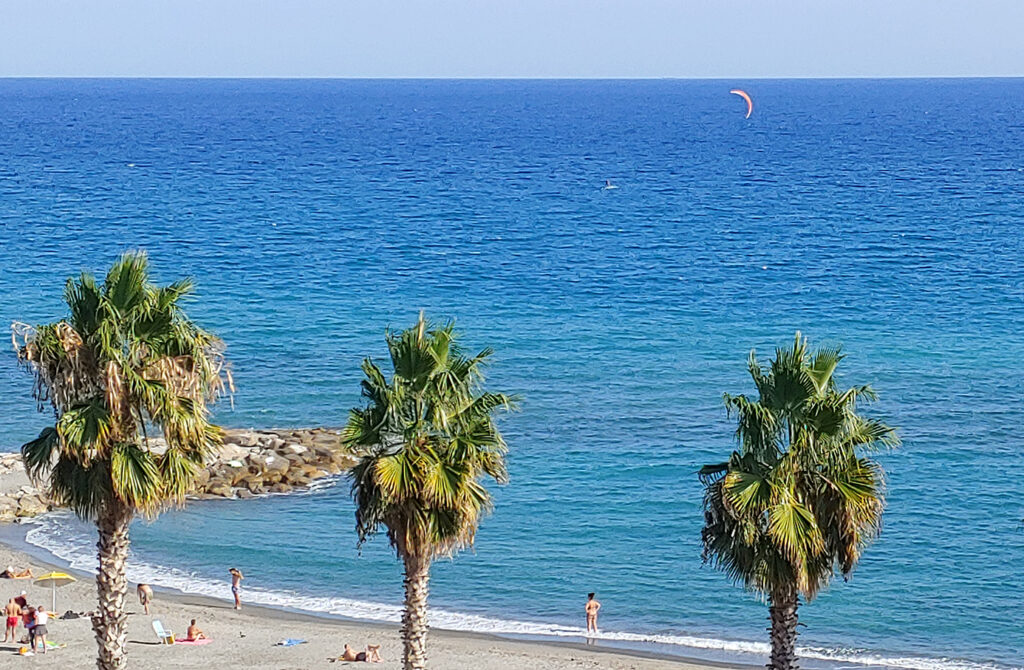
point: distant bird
(750, 103)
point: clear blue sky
(512, 38)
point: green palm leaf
(797, 501)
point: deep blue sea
(885, 215)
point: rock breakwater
(250, 463)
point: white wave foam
(56, 533)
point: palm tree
(426, 438)
(126, 361)
(799, 500)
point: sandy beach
(248, 638)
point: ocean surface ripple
(881, 214)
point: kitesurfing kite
(750, 103)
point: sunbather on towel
(193, 633)
(371, 655)
(11, 573)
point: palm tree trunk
(111, 586)
(414, 619)
(782, 608)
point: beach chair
(166, 636)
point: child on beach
(236, 586)
(12, 613)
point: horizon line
(514, 78)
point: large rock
(278, 464)
(221, 490)
(201, 479)
(236, 474)
(231, 452)
(31, 505)
(243, 438)
(296, 479)
(280, 488)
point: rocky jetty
(254, 462)
(250, 463)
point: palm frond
(798, 501)
(127, 356)
(427, 437)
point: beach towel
(290, 642)
(194, 643)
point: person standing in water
(591, 608)
(236, 586)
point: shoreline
(488, 651)
(663, 654)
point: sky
(511, 38)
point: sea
(885, 215)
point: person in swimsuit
(236, 586)
(193, 632)
(145, 593)
(592, 608)
(13, 613)
(371, 655)
(11, 573)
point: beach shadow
(207, 604)
(148, 644)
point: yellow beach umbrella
(53, 580)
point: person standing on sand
(12, 612)
(145, 593)
(29, 618)
(42, 617)
(236, 586)
(591, 609)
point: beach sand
(246, 638)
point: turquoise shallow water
(882, 214)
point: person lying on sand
(145, 593)
(371, 655)
(193, 633)
(11, 573)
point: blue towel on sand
(290, 642)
